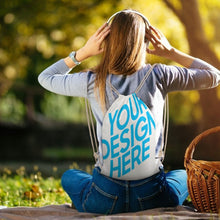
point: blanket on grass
(65, 212)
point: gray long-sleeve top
(162, 80)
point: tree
(35, 34)
(189, 15)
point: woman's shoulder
(160, 70)
(90, 75)
(155, 69)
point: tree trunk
(199, 47)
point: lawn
(28, 184)
(21, 187)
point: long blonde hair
(124, 50)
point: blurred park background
(36, 125)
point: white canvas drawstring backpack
(128, 138)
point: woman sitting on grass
(128, 174)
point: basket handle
(191, 147)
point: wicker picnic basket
(203, 177)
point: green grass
(20, 188)
(27, 186)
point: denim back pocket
(149, 201)
(98, 201)
(160, 198)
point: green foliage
(34, 34)
(184, 107)
(11, 109)
(63, 108)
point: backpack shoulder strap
(140, 85)
(144, 79)
(165, 115)
(112, 87)
(92, 133)
(165, 128)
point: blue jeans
(100, 194)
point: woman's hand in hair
(160, 43)
(92, 47)
(163, 48)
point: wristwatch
(72, 56)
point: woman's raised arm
(92, 47)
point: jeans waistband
(160, 176)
